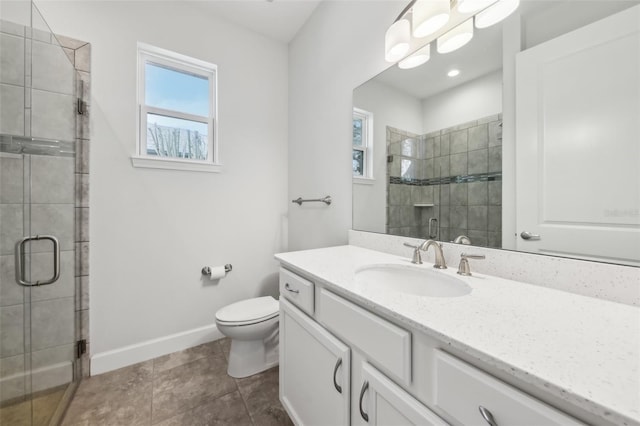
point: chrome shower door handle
(433, 228)
(526, 235)
(20, 266)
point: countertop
(583, 350)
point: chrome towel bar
(327, 200)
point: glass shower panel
(37, 209)
(412, 192)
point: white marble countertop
(583, 350)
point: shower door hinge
(81, 347)
(80, 106)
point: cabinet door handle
(335, 371)
(288, 288)
(486, 414)
(364, 415)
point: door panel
(577, 133)
(314, 371)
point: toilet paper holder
(207, 269)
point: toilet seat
(250, 311)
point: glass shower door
(37, 227)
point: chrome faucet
(439, 263)
(463, 267)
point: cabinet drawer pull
(364, 415)
(335, 371)
(288, 288)
(486, 414)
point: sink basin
(410, 280)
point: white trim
(43, 378)
(179, 62)
(367, 142)
(361, 180)
(128, 355)
(175, 164)
(175, 114)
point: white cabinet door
(314, 371)
(383, 403)
(577, 142)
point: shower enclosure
(38, 300)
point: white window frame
(367, 146)
(179, 62)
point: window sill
(363, 180)
(161, 163)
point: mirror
(430, 160)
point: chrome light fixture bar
(449, 22)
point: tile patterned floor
(190, 387)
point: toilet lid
(259, 308)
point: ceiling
(277, 19)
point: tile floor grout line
(153, 384)
(244, 402)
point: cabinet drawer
(462, 389)
(296, 289)
(384, 344)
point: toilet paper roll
(217, 272)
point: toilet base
(249, 357)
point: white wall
(336, 51)
(472, 100)
(153, 230)
(390, 107)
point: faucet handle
(463, 268)
(417, 258)
(472, 256)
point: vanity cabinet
(315, 370)
(341, 364)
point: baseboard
(128, 355)
(41, 379)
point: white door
(578, 142)
(383, 403)
(314, 371)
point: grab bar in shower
(327, 200)
(20, 264)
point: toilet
(252, 326)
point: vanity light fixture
(421, 18)
(456, 37)
(496, 13)
(416, 59)
(453, 73)
(428, 16)
(471, 6)
(396, 40)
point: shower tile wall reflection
(453, 175)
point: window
(177, 121)
(362, 144)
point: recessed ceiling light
(453, 73)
